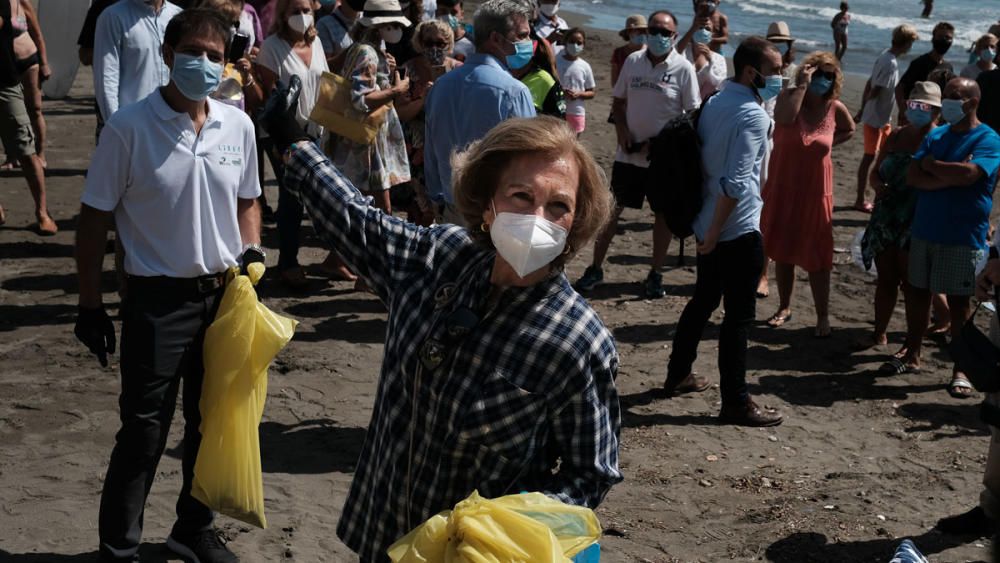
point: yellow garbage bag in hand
(513, 528)
(239, 346)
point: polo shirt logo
(232, 155)
(231, 149)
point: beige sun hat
(383, 11)
(926, 92)
(635, 21)
(779, 31)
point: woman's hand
(44, 72)
(805, 75)
(400, 86)
(987, 279)
(391, 62)
(244, 67)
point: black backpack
(675, 171)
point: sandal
(693, 383)
(778, 319)
(896, 366)
(960, 388)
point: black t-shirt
(90, 23)
(989, 103)
(8, 70)
(919, 70)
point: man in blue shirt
(955, 171)
(469, 101)
(733, 128)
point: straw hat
(383, 11)
(778, 31)
(926, 92)
(635, 21)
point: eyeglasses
(922, 106)
(661, 31)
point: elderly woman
(432, 40)
(797, 218)
(497, 376)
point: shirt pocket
(505, 418)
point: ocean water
(870, 32)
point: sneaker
(201, 547)
(592, 276)
(654, 285)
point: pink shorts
(577, 122)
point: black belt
(188, 287)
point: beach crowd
(498, 375)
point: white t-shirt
(973, 71)
(577, 76)
(277, 56)
(546, 26)
(885, 74)
(654, 95)
(712, 75)
(464, 47)
(174, 193)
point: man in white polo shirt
(177, 172)
(655, 85)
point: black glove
(95, 329)
(278, 115)
(252, 254)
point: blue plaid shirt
(500, 392)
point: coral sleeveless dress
(797, 218)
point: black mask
(941, 46)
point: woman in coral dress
(797, 219)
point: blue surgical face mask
(702, 36)
(638, 39)
(195, 77)
(783, 48)
(951, 111)
(820, 85)
(987, 55)
(659, 45)
(574, 49)
(772, 87)
(523, 50)
(918, 117)
(326, 3)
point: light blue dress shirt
(462, 107)
(733, 129)
(128, 59)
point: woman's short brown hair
(280, 23)
(477, 172)
(820, 58)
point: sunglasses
(828, 75)
(662, 31)
(438, 44)
(922, 106)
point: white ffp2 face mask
(300, 22)
(527, 242)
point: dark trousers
(289, 215)
(162, 336)
(730, 272)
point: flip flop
(960, 382)
(778, 319)
(896, 366)
(865, 207)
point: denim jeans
(289, 215)
(731, 273)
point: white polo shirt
(654, 95)
(174, 193)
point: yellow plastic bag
(514, 528)
(239, 346)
